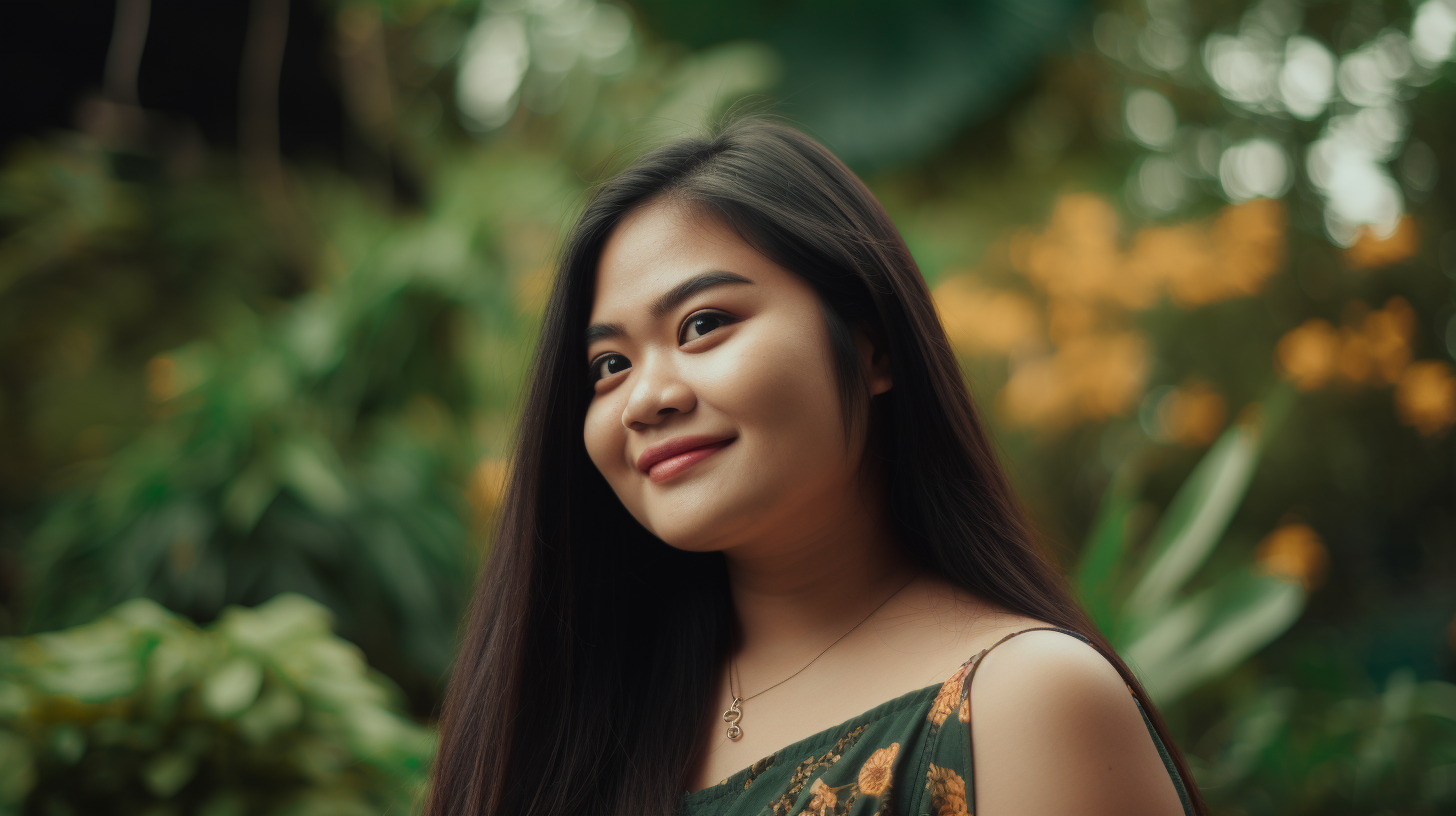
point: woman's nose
(658, 392)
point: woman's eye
(607, 365)
(702, 323)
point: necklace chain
(734, 713)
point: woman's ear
(874, 360)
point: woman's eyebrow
(668, 301)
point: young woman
(756, 544)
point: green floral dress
(910, 755)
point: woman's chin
(694, 531)
(691, 545)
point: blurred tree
(881, 84)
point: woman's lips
(673, 465)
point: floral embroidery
(874, 775)
(947, 791)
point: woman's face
(715, 415)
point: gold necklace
(734, 714)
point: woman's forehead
(662, 234)
(659, 246)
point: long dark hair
(592, 648)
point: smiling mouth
(673, 465)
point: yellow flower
(824, 798)
(964, 715)
(874, 775)
(1425, 397)
(1307, 354)
(1388, 333)
(1354, 358)
(1094, 375)
(947, 791)
(1293, 553)
(1371, 250)
(1193, 415)
(1077, 255)
(986, 321)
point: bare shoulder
(1055, 730)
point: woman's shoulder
(1042, 674)
(1045, 702)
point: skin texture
(810, 553)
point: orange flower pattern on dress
(809, 767)
(950, 694)
(947, 791)
(824, 799)
(874, 775)
(964, 712)
(758, 768)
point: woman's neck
(796, 597)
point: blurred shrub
(1185, 619)
(1284, 750)
(264, 712)
(1177, 619)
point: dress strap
(976, 659)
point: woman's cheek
(599, 438)
(779, 379)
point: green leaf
(247, 496)
(172, 666)
(278, 709)
(726, 71)
(68, 744)
(1213, 631)
(14, 700)
(145, 614)
(1102, 554)
(1437, 698)
(1255, 728)
(225, 803)
(285, 618)
(1194, 521)
(232, 688)
(165, 774)
(1380, 750)
(17, 768)
(311, 468)
(89, 680)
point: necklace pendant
(732, 716)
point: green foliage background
(236, 379)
